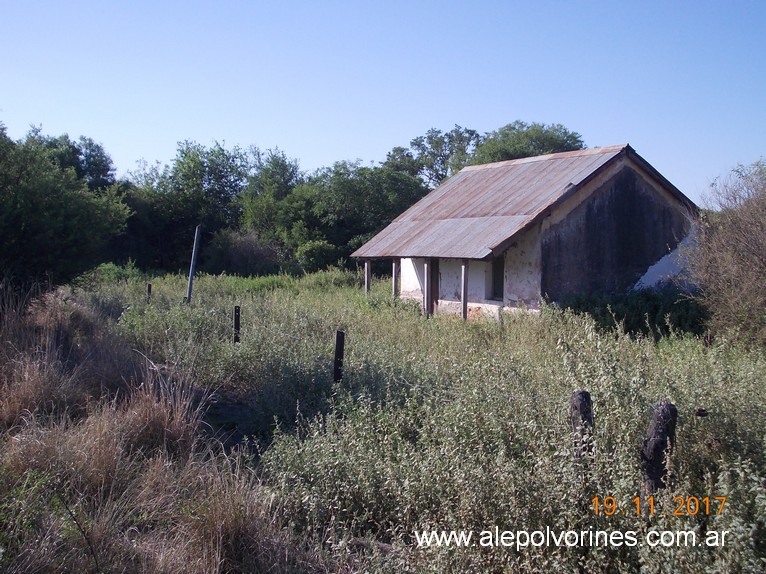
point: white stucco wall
(450, 277)
(412, 278)
(525, 254)
(523, 268)
(521, 281)
(450, 280)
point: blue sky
(682, 82)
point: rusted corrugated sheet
(466, 237)
(483, 206)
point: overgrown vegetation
(136, 437)
(655, 313)
(108, 462)
(729, 262)
(104, 463)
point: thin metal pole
(193, 265)
(427, 287)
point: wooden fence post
(464, 289)
(148, 292)
(340, 344)
(236, 324)
(660, 438)
(581, 412)
(427, 288)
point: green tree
(202, 186)
(208, 181)
(402, 159)
(298, 218)
(519, 139)
(87, 158)
(437, 155)
(441, 154)
(95, 164)
(52, 227)
(273, 178)
(356, 202)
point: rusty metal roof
(474, 212)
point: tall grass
(437, 424)
(110, 471)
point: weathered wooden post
(193, 265)
(660, 438)
(581, 412)
(236, 324)
(427, 288)
(395, 272)
(367, 276)
(340, 344)
(464, 289)
(148, 292)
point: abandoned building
(512, 233)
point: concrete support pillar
(367, 276)
(395, 273)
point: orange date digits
(608, 505)
(683, 505)
(691, 506)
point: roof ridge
(549, 156)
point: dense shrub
(653, 312)
(316, 254)
(241, 253)
(728, 262)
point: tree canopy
(63, 208)
(57, 210)
(519, 139)
(437, 155)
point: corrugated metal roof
(483, 206)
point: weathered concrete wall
(451, 273)
(606, 242)
(450, 277)
(671, 268)
(412, 278)
(523, 266)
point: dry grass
(101, 475)
(729, 261)
(57, 356)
